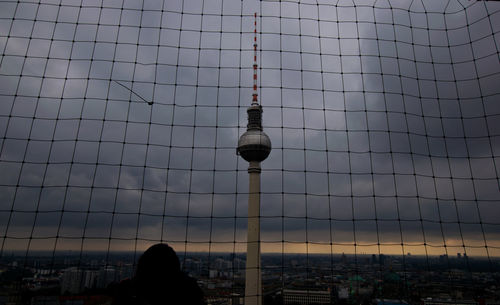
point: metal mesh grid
(383, 117)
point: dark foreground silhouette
(158, 280)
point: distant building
(38, 283)
(435, 301)
(343, 259)
(443, 259)
(107, 276)
(71, 280)
(45, 300)
(213, 274)
(84, 300)
(381, 259)
(306, 297)
(343, 293)
(75, 280)
(389, 302)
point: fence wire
(119, 122)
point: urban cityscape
(287, 278)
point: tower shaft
(253, 279)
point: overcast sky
(383, 116)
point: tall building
(291, 296)
(254, 146)
(71, 281)
(75, 280)
(107, 275)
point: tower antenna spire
(255, 95)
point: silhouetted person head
(158, 265)
(159, 280)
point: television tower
(254, 146)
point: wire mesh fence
(119, 122)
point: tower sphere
(254, 145)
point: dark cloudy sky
(383, 115)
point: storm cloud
(383, 116)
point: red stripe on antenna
(254, 95)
